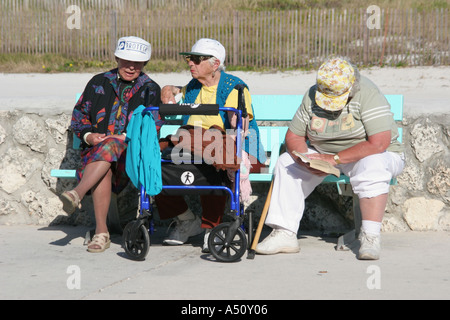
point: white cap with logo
(133, 49)
(207, 47)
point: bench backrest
(283, 108)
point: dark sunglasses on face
(196, 59)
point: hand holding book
(318, 164)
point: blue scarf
(143, 159)
(227, 82)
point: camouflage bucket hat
(335, 79)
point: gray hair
(213, 60)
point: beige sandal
(71, 200)
(100, 242)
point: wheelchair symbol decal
(187, 177)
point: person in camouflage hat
(347, 122)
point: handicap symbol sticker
(187, 178)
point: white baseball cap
(208, 47)
(133, 49)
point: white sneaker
(205, 248)
(183, 230)
(279, 241)
(370, 246)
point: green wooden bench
(283, 108)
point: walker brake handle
(241, 100)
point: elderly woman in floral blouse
(100, 120)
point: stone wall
(31, 144)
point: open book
(318, 164)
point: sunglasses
(196, 59)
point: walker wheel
(227, 252)
(136, 247)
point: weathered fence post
(236, 38)
(113, 31)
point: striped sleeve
(376, 113)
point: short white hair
(213, 60)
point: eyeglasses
(196, 59)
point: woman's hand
(117, 136)
(168, 94)
(95, 138)
(319, 156)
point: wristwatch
(337, 159)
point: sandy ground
(425, 89)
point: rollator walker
(228, 241)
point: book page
(318, 164)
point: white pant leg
(292, 184)
(370, 176)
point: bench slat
(63, 173)
(270, 107)
(275, 107)
(396, 102)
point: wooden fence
(273, 39)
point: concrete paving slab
(51, 263)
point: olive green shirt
(367, 113)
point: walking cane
(251, 252)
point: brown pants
(213, 208)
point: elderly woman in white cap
(100, 119)
(210, 85)
(348, 123)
